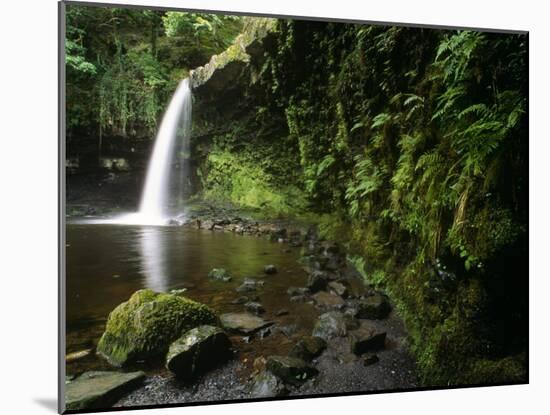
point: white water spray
(158, 193)
(155, 197)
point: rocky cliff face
(351, 124)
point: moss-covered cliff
(409, 146)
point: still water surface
(107, 263)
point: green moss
(233, 178)
(147, 323)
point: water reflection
(154, 261)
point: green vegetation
(124, 64)
(409, 146)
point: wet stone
(308, 348)
(254, 307)
(270, 269)
(243, 323)
(330, 325)
(94, 390)
(367, 340)
(326, 300)
(290, 370)
(267, 385)
(197, 351)
(373, 307)
(219, 274)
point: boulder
(220, 274)
(99, 390)
(375, 306)
(267, 385)
(243, 323)
(197, 351)
(308, 348)
(146, 324)
(330, 325)
(290, 369)
(367, 340)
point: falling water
(155, 199)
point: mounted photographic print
(285, 207)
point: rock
(327, 300)
(289, 330)
(366, 340)
(71, 357)
(267, 385)
(281, 312)
(95, 390)
(338, 288)
(197, 351)
(292, 291)
(243, 323)
(241, 300)
(375, 306)
(290, 369)
(270, 269)
(317, 281)
(330, 325)
(298, 298)
(370, 359)
(308, 348)
(146, 324)
(254, 307)
(207, 224)
(220, 274)
(249, 285)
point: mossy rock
(146, 324)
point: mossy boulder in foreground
(146, 324)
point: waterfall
(163, 189)
(155, 197)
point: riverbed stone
(317, 281)
(146, 324)
(197, 351)
(249, 285)
(267, 385)
(254, 307)
(270, 269)
(291, 370)
(327, 300)
(220, 274)
(95, 390)
(367, 340)
(293, 291)
(338, 288)
(243, 323)
(375, 306)
(308, 348)
(330, 325)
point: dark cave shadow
(48, 403)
